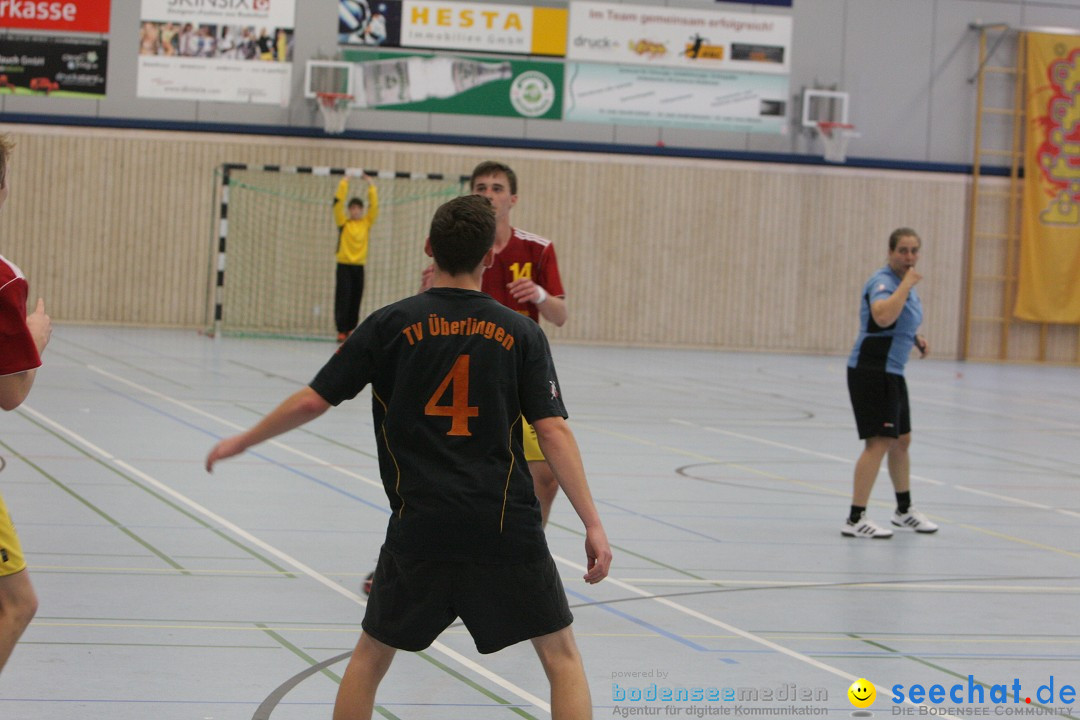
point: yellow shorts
(532, 445)
(11, 556)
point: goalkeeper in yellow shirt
(354, 225)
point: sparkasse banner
(67, 15)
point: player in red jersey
(525, 278)
(22, 340)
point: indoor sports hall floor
(170, 594)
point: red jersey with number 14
(526, 255)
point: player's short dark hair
(357, 202)
(901, 233)
(6, 144)
(462, 232)
(490, 167)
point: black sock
(903, 501)
(856, 514)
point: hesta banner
(442, 25)
(64, 15)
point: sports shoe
(342, 337)
(865, 528)
(914, 520)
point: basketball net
(334, 108)
(835, 137)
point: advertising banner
(457, 84)
(670, 37)
(90, 16)
(440, 25)
(1048, 289)
(56, 67)
(676, 97)
(237, 51)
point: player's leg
(558, 653)
(868, 466)
(356, 294)
(367, 667)
(906, 516)
(18, 602)
(341, 297)
(866, 471)
(900, 463)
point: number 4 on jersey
(459, 410)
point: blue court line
(647, 625)
(330, 486)
(585, 598)
(659, 521)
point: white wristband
(543, 295)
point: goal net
(276, 269)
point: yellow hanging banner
(1049, 282)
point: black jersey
(452, 373)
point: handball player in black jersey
(453, 374)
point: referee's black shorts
(880, 402)
(413, 600)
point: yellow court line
(1022, 541)
(187, 571)
(959, 586)
(158, 626)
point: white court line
(506, 684)
(284, 557)
(849, 461)
(234, 426)
(776, 647)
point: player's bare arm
(561, 450)
(551, 307)
(15, 388)
(301, 407)
(886, 312)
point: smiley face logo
(862, 693)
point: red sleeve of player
(548, 275)
(17, 349)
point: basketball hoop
(335, 111)
(835, 136)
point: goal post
(275, 266)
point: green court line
(108, 518)
(297, 651)
(194, 518)
(152, 645)
(312, 661)
(475, 686)
(935, 666)
(217, 620)
(39, 570)
(426, 656)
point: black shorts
(880, 402)
(413, 600)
